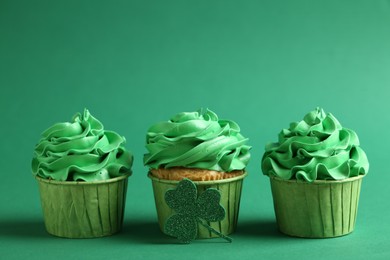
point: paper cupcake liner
(83, 209)
(316, 210)
(230, 190)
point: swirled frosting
(197, 140)
(81, 151)
(316, 148)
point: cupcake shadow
(137, 231)
(23, 228)
(148, 232)
(258, 228)
(143, 232)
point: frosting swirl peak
(197, 140)
(81, 150)
(317, 147)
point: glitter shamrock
(191, 210)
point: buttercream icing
(316, 148)
(197, 140)
(81, 150)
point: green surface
(262, 64)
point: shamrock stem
(229, 239)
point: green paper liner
(230, 190)
(321, 209)
(75, 209)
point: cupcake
(315, 169)
(82, 172)
(208, 151)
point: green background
(262, 64)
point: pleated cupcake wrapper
(316, 210)
(230, 190)
(83, 209)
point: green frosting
(81, 151)
(197, 140)
(316, 148)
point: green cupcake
(315, 169)
(213, 155)
(82, 171)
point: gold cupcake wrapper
(316, 210)
(83, 209)
(230, 190)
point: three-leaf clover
(191, 210)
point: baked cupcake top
(316, 148)
(81, 150)
(197, 140)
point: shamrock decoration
(192, 210)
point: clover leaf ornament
(191, 210)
